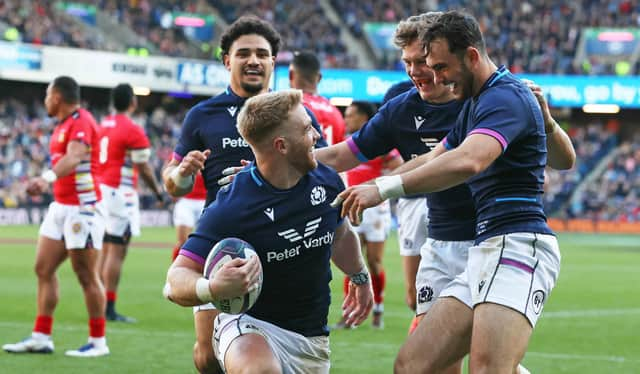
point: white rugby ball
(221, 253)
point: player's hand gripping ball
(224, 251)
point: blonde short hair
(409, 30)
(264, 113)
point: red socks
(97, 327)
(111, 295)
(43, 324)
(378, 282)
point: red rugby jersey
(118, 135)
(80, 186)
(329, 117)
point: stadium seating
(592, 143)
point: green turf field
(590, 325)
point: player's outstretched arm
(347, 256)
(419, 161)
(178, 176)
(560, 152)
(451, 168)
(337, 156)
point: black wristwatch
(359, 278)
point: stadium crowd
(533, 37)
(613, 196)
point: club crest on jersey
(309, 229)
(419, 120)
(61, 137)
(270, 213)
(318, 195)
(232, 110)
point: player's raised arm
(347, 256)
(560, 152)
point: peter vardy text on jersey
(234, 143)
(326, 239)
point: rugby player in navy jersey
(210, 142)
(285, 190)
(499, 147)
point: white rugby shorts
(516, 270)
(440, 263)
(186, 212)
(123, 207)
(297, 354)
(376, 222)
(412, 225)
(66, 222)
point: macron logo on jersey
(419, 120)
(232, 110)
(310, 229)
(270, 213)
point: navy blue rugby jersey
(414, 127)
(211, 124)
(508, 194)
(292, 231)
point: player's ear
(319, 78)
(280, 144)
(225, 61)
(472, 56)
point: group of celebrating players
(474, 140)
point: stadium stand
(530, 36)
(592, 143)
(533, 37)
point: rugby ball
(221, 253)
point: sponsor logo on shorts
(425, 294)
(538, 301)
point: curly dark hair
(458, 28)
(247, 25)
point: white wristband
(49, 176)
(390, 187)
(203, 291)
(179, 180)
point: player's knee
(269, 366)
(115, 239)
(204, 359)
(481, 361)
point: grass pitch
(591, 323)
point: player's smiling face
(250, 63)
(450, 69)
(301, 138)
(421, 75)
